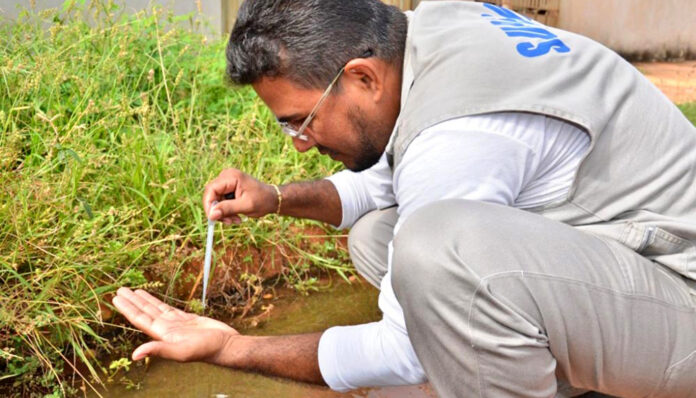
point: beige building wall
(639, 29)
(210, 10)
(230, 8)
(642, 29)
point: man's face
(350, 126)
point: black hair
(308, 41)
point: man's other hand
(252, 197)
(177, 335)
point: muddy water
(342, 304)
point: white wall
(211, 9)
(639, 28)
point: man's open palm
(177, 335)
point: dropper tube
(208, 256)
(209, 248)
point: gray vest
(636, 184)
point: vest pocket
(661, 246)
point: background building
(638, 29)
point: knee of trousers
(367, 243)
(443, 242)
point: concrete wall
(211, 10)
(639, 29)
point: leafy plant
(109, 130)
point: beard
(371, 140)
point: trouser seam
(667, 376)
(479, 286)
(538, 275)
(622, 266)
(542, 276)
(480, 381)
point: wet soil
(286, 312)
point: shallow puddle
(342, 304)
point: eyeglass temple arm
(367, 54)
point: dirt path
(677, 80)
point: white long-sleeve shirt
(515, 159)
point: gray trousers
(501, 303)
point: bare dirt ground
(676, 79)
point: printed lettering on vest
(515, 25)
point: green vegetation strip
(690, 111)
(108, 133)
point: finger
(137, 299)
(231, 208)
(216, 190)
(166, 350)
(231, 220)
(134, 315)
(154, 301)
(150, 349)
(167, 311)
(215, 214)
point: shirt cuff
(343, 181)
(352, 357)
(328, 360)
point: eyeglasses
(287, 127)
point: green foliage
(108, 133)
(690, 111)
(121, 363)
(195, 306)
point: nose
(303, 146)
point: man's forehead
(287, 100)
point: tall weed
(109, 130)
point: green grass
(690, 111)
(108, 134)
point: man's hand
(187, 337)
(253, 198)
(178, 335)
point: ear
(366, 74)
